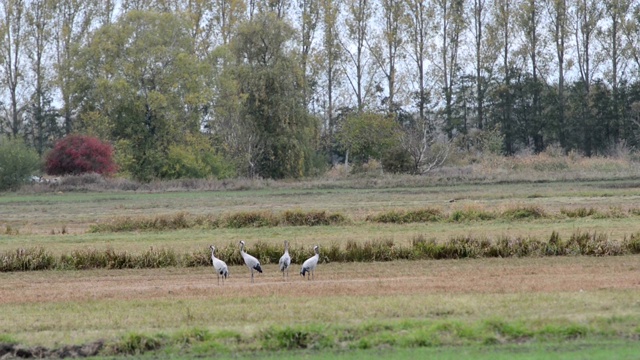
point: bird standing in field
(309, 266)
(285, 260)
(251, 262)
(219, 265)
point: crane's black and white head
(316, 249)
(213, 248)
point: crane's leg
(219, 280)
(252, 276)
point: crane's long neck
(286, 247)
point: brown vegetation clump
(459, 247)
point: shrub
(250, 219)
(412, 216)
(195, 160)
(26, 260)
(17, 163)
(579, 212)
(312, 218)
(136, 344)
(80, 154)
(524, 212)
(398, 160)
(471, 214)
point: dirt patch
(566, 274)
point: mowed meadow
(487, 264)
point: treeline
(282, 89)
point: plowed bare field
(383, 279)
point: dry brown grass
(352, 279)
(79, 306)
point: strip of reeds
(579, 243)
(237, 220)
(245, 219)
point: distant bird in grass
(251, 262)
(309, 266)
(219, 265)
(285, 260)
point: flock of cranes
(308, 267)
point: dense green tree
(140, 84)
(270, 82)
(17, 163)
(365, 136)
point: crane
(285, 260)
(251, 262)
(219, 265)
(309, 266)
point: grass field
(402, 308)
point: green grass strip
(369, 335)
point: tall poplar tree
(450, 23)
(270, 82)
(12, 51)
(354, 43)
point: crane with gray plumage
(285, 260)
(309, 266)
(251, 262)
(219, 265)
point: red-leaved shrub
(79, 154)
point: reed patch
(458, 247)
(244, 219)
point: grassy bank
(322, 341)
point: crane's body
(252, 263)
(285, 260)
(309, 266)
(219, 265)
